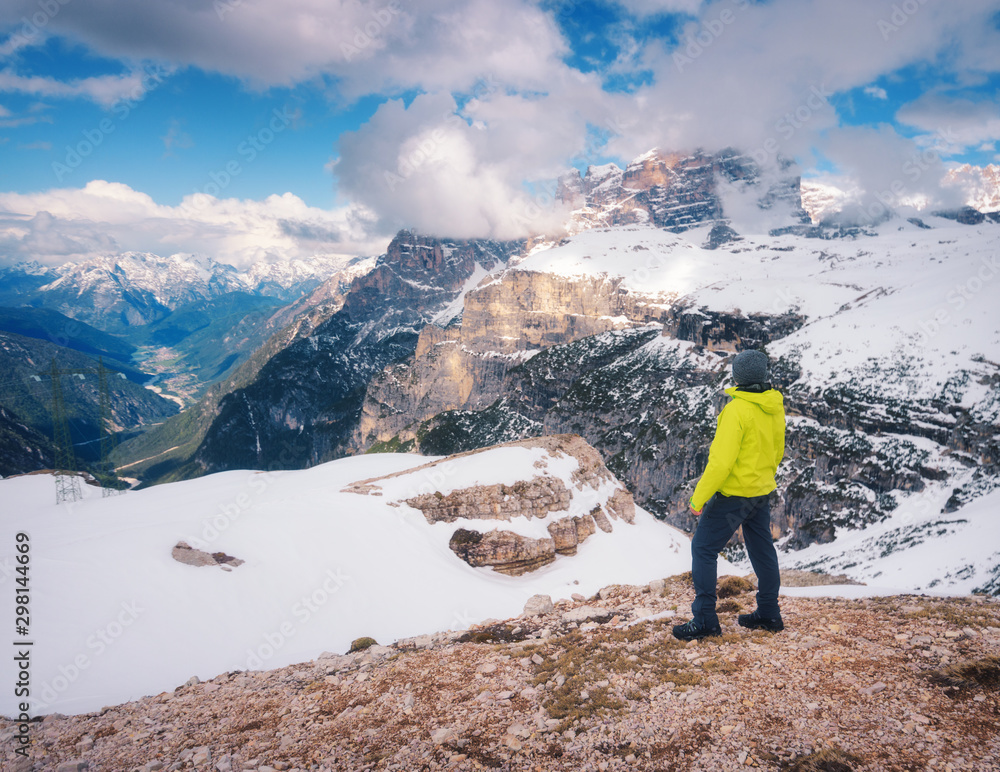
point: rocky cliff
(304, 403)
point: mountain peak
(675, 190)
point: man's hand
(695, 512)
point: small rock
(537, 659)
(443, 735)
(202, 756)
(518, 730)
(586, 614)
(209, 688)
(538, 604)
(657, 586)
(727, 729)
(512, 742)
(487, 668)
(192, 681)
(874, 688)
(577, 597)
(78, 765)
(970, 632)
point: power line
(67, 479)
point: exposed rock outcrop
(504, 551)
(591, 490)
(189, 556)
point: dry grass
(825, 760)
(730, 586)
(958, 613)
(600, 663)
(970, 674)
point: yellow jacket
(748, 446)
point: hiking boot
(692, 631)
(755, 621)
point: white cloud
(428, 167)
(759, 76)
(103, 217)
(105, 90)
(890, 170)
(748, 73)
(963, 122)
(367, 46)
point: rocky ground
(897, 683)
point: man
(748, 446)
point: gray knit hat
(750, 366)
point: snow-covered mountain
(677, 191)
(982, 184)
(979, 185)
(115, 292)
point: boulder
(538, 604)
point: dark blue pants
(718, 522)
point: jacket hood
(770, 401)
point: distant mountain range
(117, 292)
(177, 324)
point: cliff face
(465, 366)
(305, 402)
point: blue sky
(226, 126)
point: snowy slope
(114, 617)
(919, 547)
(919, 297)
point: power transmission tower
(67, 481)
